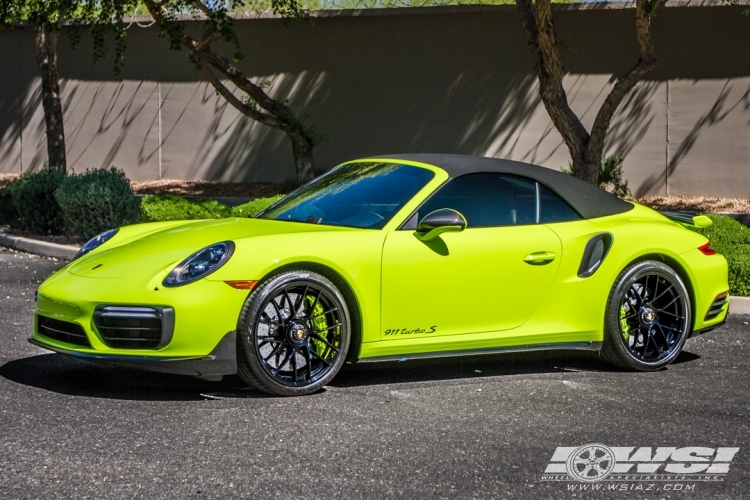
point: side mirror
(438, 222)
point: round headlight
(200, 264)
(96, 242)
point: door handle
(539, 258)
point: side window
(487, 199)
(553, 208)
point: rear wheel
(648, 317)
(293, 334)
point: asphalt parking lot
(483, 427)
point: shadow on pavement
(66, 375)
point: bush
(254, 207)
(8, 212)
(610, 175)
(34, 197)
(96, 201)
(172, 207)
(731, 239)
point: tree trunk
(302, 149)
(45, 46)
(586, 149)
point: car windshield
(362, 194)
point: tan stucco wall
(427, 80)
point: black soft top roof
(586, 199)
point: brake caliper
(624, 327)
(319, 324)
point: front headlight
(200, 264)
(96, 242)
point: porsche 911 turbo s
(385, 258)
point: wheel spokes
(659, 315)
(321, 339)
(292, 358)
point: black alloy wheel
(293, 334)
(648, 317)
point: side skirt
(584, 346)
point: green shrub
(610, 175)
(96, 201)
(255, 206)
(164, 207)
(8, 212)
(34, 197)
(731, 239)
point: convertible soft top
(586, 199)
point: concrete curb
(38, 247)
(739, 305)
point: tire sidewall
(247, 351)
(612, 332)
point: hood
(168, 247)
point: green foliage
(610, 175)
(34, 197)
(255, 206)
(172, 207)
(8, 212)
(101, 18)
(96, 201)
(731, 239)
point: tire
(292, 351)
(648, 317)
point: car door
(491, 276)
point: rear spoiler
(687, 219)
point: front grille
(72, 333)
(717, 306)
(123, 327)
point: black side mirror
(438, 222)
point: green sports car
(389, 258)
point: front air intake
(125, 327)
(71, 333)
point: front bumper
(197, 321)
(221, 361)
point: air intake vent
(123, 327)
(594, 254)
(63, 331)
(717, 306)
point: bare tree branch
(234, 100)
(278, 115)
(586, 149)
(646, 62)
(537, 20)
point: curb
(737, 305)
(38, 247)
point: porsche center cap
(297, 333)
(647, 315)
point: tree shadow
(716, 114)
(450, 83)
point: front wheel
(648, 317)
(293, 334)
